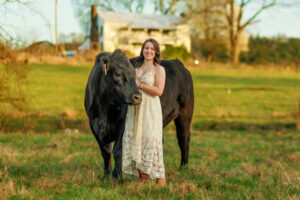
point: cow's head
(120, 78)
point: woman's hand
(137, 82)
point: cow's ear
(137, 61)
(104, 63)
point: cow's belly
(170, 110)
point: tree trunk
(235, 52)
(233, 34)
(235, 48)
(209, 57)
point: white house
(128, 31)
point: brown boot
(160, 181)
(143, 176)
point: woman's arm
(159, 83)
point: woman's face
(149, 51)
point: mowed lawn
(244, 142)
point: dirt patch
(183, 188)
(46, 183)
(7, 189)
(68, 113)
(294, 157)
(8, 153)
(253, 170)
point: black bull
(111, 87)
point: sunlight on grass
(244, 142)
(222, 165)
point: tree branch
(263, 7)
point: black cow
(107, 97)
(110, 87)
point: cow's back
(178, 90)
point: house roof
(136, 20)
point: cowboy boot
(143, 176)
(160, 181)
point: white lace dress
(142, 139)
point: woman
(142, 152)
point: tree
(280, 49)
(12, 80)
(166, 6)
(7, 7)
(83, 8)
(4, 8)
(133, 5)
(12, 76)
(71, 38)
(234, 12)
(208, 28)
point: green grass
(240, 98)
(244, 144)
(223, 165)
(55, 87)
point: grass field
(244, 142)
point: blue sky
(30, 27)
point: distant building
(41, 47)
(128, 31)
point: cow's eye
(118, 74)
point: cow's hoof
(116, 175)
(183, 167)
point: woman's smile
(149, 51)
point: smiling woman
(142, 141)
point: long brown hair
(157, 50)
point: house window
(166, 31)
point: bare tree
(234, 15)
(12, 77)
(12, 82)
(207, 28)
(165, 6)
(133, 5)
(83, 8)
(6, 10)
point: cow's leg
(117, 150)
(117, 153)
(183, 122)
(104, 147)
(106, 154)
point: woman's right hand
(137, 82)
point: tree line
(217, 26)
(280, 49)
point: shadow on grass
(241, 126)
(52, 124)
(43, 124)
(254, 83)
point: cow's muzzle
(137, 99)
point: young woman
(142, 152)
